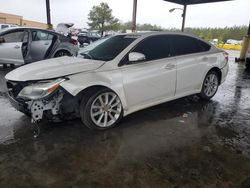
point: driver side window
(155, 47)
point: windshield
(91, 46)
(108, 48)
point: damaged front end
(48, 107)
(40, 100)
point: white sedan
(123, 74)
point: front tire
(210, 85)
(102, 110)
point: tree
(140, 27)
(101, 18)
(223, 34)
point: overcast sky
(220, 14)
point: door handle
(17, 46)
(46, 43)
(169, 66)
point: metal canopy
(192, 2)
(185, 3)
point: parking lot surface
(183, 143)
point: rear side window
(204, 46)
(41, 35)
(16, 36)
(183, 45)
(155, 47)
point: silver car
(26, 45)
(4, 26)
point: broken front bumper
(22, 107)
(39, 109)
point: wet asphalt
(184, 143)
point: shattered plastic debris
(185, 115)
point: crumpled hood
(53, 68)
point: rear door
(41, 41)
(191, 63)
(11, 48)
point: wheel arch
(92, 89)
(202, 94)
(86, 112)
(88, 90)
(61, 49)
(218, 70)
(67, 46)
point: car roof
(157, 33)
(14, 28)
(153, 33)
(8, 24)
(29, 28)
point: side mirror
(136, 56)
(2, 40)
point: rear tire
(101, 110)
(62, 53)
(210, 85)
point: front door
(152, 80)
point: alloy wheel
(105, 109)
(211, 85)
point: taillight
(225, 56)
(73, 41)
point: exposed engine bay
(38, 107)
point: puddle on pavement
(183, 143)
